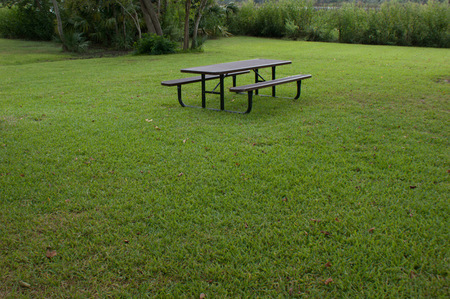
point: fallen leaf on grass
(325, 233)
(328, 281)
(157, 128)
(328, 264)
(148, 120)
(412, 187)
(371, 230)
(24, 284)
(202, 296)
(180, 174)
(50, 253)
(284, 198)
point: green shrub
(350, 21)
(303, 21)
(291, 30)
(75, 42)
(287, 18)
(27, 22)
(297, 14)
(436, 18)
(391, 23)
(407, 24)
(269, 20)
(170, 24)
(243, 22)
(153, 44)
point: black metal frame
(221, 93)
(250, 95)
(258, 78)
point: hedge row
(392, 23)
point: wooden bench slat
(269, 83)
(188, 80)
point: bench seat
(270, 83)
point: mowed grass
(110, 188)
(17, 52)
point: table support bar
(203, 90)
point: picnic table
(233, 69)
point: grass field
(108, 187)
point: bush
(437, 24)
(286, 18)
(75, 42)
(350, 21)
(153, 44)
(27, 22)
(243, 22)
(269, 20)
(392, 23)
(303, 21)
(402, 24)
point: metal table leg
(203, 90)
(256, 79)
(222, 93)
(273, 78)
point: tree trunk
(124, 24)
(59, 24)
(159, 9)
(197, 22)
(136, 20)
(116, 25)
(186, 25)
(134, 17)
(150, 17)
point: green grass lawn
(108, 187)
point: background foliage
(391, 23)
(154, 45)
(117, 24)
(27, 21)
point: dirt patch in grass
(443, 80)
(99, 53)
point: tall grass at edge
(392, 23)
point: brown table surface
(236, 66)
